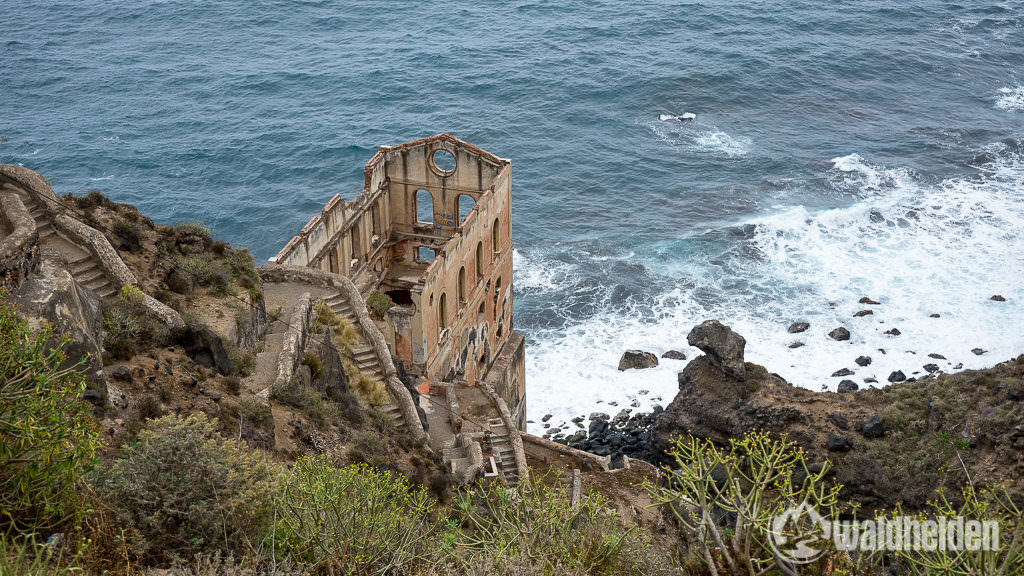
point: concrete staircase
(501, 449)
(363, 355)
(84, 267)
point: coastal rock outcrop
(714, 405)
(724, 348)
(839, 334)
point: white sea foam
(110, 177)
(1011, 98)
(694, 137)
(918, 249)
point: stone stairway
(265, 369)
(85, 268)
(501, 449)
(363, 355)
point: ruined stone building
(431, 230)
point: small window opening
(424, 207)
(424, 254)
(462, 285)
(466, 205)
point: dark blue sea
(840, 150)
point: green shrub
(197, 228)
(26, 557)
(316, 367)
(181, 489)
(755, 478)
(538, 521)
(320, 410)
(243, 359)
(354, 520)
(47, 439)
(989, 504)
(379, 303)
(127, 326)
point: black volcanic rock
(723, 346)
(840, 334)
(797, 327)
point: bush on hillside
(379, 303)
(353, 520)
(538, 525)
(27, 557)
(750, 482)
(47, 438)
(182, 489)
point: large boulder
(723, 347)
(637, 359)
(52, 296)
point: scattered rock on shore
(674, 355)
(637, 359)
(866, 300)
(893, 332)
(847, 386)
(863, 360)
(978, 351)
(842, 372)
(997, 298)
(839, 334)
(863, 313)
(797, 327)
(796, 344)
(897, 376)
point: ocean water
(840, 150)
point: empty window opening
(424, 207)
(357, 251)
(466, 205)
(497, 288)
(479, 261)
(443, 162)
(495, 238)
(462, 285)
(401, 297)
(376, 218)
(424, 254)
(442, 311)
(481, 311)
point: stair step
(106, 291)
(89, 275)
(46, 230)
(272, 342)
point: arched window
(462, 285)
(466, 204)
(497, 288)
(442, 311)
(481, 311)
(479, 261)
(424, 207)
(495, 238)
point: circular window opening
(443, 162)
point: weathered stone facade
(448, 273)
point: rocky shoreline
(895, 444)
